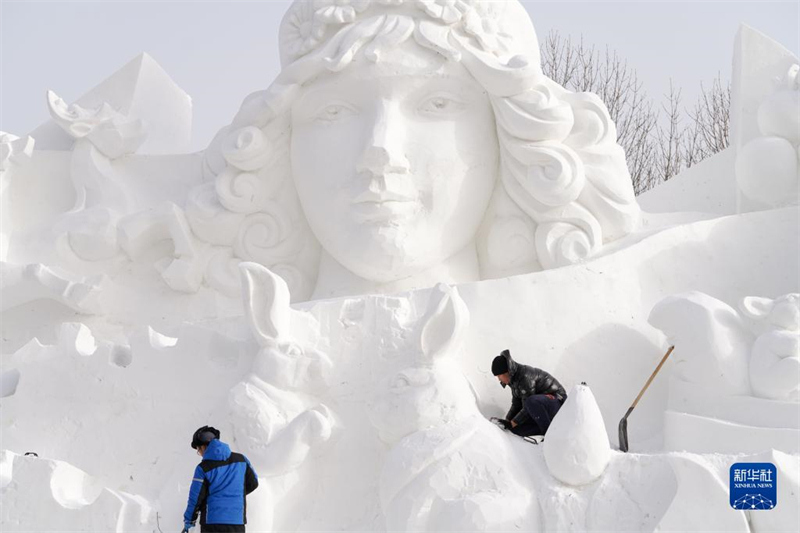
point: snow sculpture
(101, 135)
(775, 357)
(13, 151)
(20, 284)
(765, 128)
(767, 168)
(633, 494)
(68, 499)
(539, 182)
(376, 102)
(63, 209)
(784, 517)
(275, 418)
(140, 89)
(710, 341)
(698, 482)
(183, 271)
(730, 390)
(576, 449)
(449, 468)
(79, 399)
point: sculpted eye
(401, 382)
(333, 112)
(410, 378)
(441, 105)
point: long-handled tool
(623, 424)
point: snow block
(700, 434)
(688, 398)
(142, 90)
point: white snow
(576, 448)
(67, 499)
(142, 89)
(370, 411)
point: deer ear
(756, 307)
(446, 322)
(266, 303)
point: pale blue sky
(219, 52)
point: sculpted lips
(371, 206)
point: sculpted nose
(381, 160)
(384, 150)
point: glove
(502, 422)
(184, 530)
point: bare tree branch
(658, 143)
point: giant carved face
(394, 161)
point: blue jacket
(221, 482)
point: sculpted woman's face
(395, 161)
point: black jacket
(526, 381)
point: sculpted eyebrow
(313, 96)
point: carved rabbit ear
(266, 303)
(756, 307)
(447, 319)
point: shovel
(623, 424)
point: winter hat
(500, 363)
(203, 436)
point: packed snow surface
(146, 295)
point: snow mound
(68, 499)
(576, 448)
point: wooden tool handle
(663, 359)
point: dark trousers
(220, 528)
(541, 408)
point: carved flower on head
(302, 30)
(338, 11)
(448, 11)
(310, 21)
(484, 29)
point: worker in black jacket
(536, 395)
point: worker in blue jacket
(221, 483)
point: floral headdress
(498, 27)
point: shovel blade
(623, 434)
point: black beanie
(203, 436)
(500, 364)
